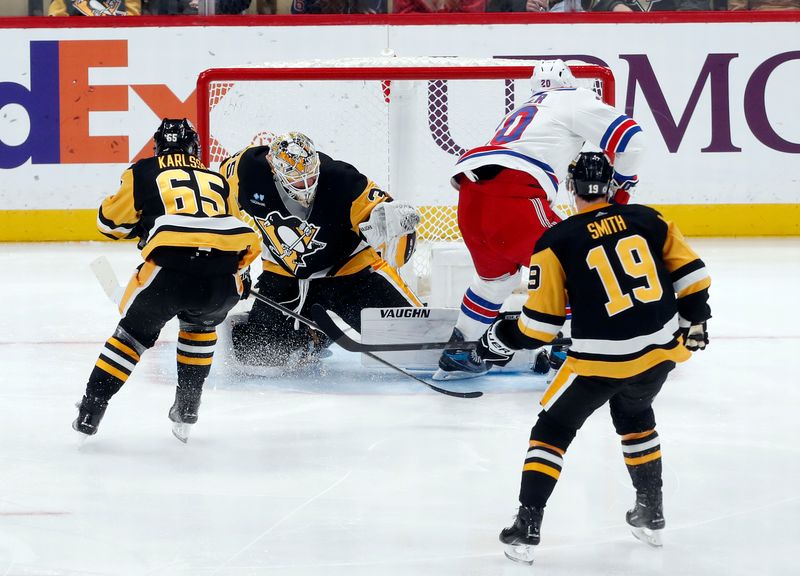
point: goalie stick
(330, 328)
(334, 334)
(108, 281)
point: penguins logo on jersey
(289, 239)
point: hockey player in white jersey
(506, 189)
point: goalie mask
(550, 74)
(176, 135)
(589, 176)
(295, 163)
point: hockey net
(403, 122)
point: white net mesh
(401, 121)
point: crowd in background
(193, 7)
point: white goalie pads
(403, 325)
(387, 223)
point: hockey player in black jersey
(329, 235)
(639, 299)
(194, 244)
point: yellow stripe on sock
(198, 336)
(637, 435)
(116, 372)
(643, 459)
(534, 443)
(543, 468)
(194, 361)
(124, 348)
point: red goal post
(401, 121)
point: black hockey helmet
(589, 176)
(176, 135)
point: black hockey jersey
(325, 241)
(174, 201)
(629, 277)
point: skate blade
(443, 375)
(181, 431)
(80, 440)
(522, 553)
(649, 537)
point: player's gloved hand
(247, 283)
(695, 337)
(490, 346)
(622, 186)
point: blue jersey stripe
(623, 143)
(610, 130)
(550, 172)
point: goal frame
(377, 72)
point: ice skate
(646, 518)
(90, 413)
(184, 413)
(523, 536)
(458, 363)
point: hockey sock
(544, 461)
(642, 452)
(117, 360)
(482, 302)
(195, 354)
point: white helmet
(295, 163)
(550, 74)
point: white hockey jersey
(545, 134)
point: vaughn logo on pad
(405, 313)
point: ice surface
(345, 471)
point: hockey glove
(622, 186)
(247, 283)
(389, 220)
(491, 348)
(695, 337)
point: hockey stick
(331, 329)
(337, 331)
(107, 278)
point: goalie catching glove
(491, 348)
(391, 230)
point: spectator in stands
(267, 6)
(763, 4)
(35, 8)
(647, 5)
(517, 5)
(339, 6)
(438, 6)
(189, 7)
(95, 8)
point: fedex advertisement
(78, 105)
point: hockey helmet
(550, 74)
(589, 176)
(295, 163)
(176, 135)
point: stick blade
(105, 275)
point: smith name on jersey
(174, 201)
(609, 261)
(321, 240)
